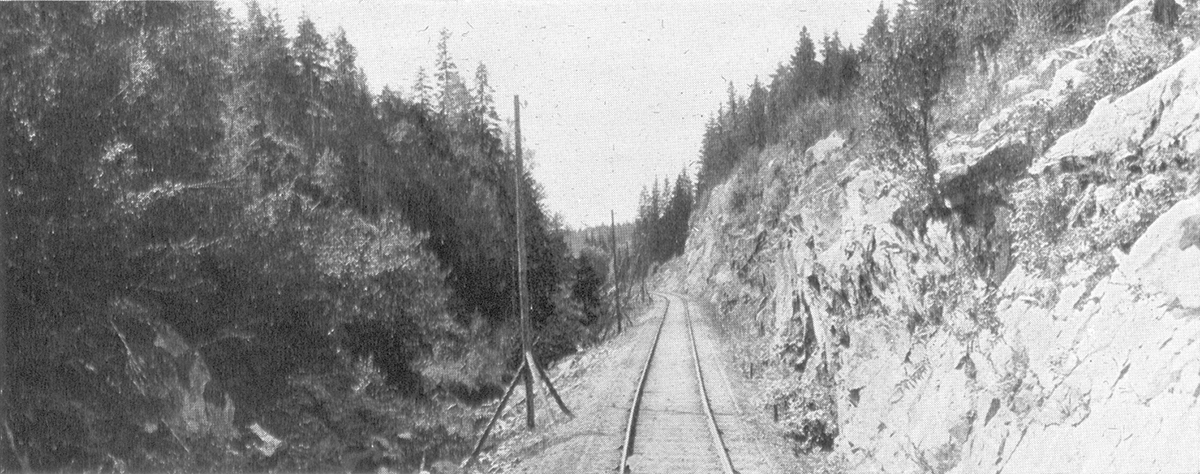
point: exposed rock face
(1144, 10)
(1159, 117)
(1100, 378)
(1166, 258)
(166, 369)
(939, 369)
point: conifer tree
(877, 40)
(453, 97)
(757, 125)
(908, 81)
(422, 91)
(805, 69)
(312, 56)
(485, 120)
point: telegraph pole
(612, 216)
(522, 276)
(529, 368)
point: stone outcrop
(1138, 11)
(170, 373)
(1166, 259)
(938, 369)
(1057, 82)
(1157, 118)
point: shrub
(808, 411)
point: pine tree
(805, 69)
(484, 118)
(453, 98)
(354, 126)
(779, 98)
(908, 82)
(877, 41)
(268, 89)
(757, 125)
(422, 91)
(655, 210)
(829, 80)
(678, 214)
(312, 56)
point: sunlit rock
(1159, 116)
(1167, 256)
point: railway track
(671, 425)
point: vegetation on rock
(892, 237)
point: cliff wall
(1046, 320)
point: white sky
(613, 93)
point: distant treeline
(658, 233)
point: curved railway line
(671, 422)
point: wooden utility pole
(529, 368)
(612, 216)
(522, 276)
(532, 369)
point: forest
(220, 241)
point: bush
(1121, 63)
(1063, 218)
(352, 419)
(807, 411)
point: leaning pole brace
(512, 386)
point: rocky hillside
(1043, 318)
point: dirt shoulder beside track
(597, 385)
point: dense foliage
(214, 224)
(661, 228)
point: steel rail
(726, 463)
(631, 427)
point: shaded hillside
(224, 252)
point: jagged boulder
(938, 370)
(1145, 10)
(826, 148)
(165, 368)
(1158, 117)
(122, 389)
(970, 168)
(1062, 84)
